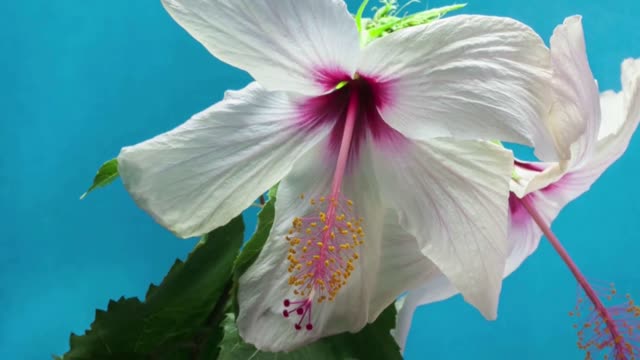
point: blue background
(80, 79)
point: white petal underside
(575, 117)
(203, 173)
(620, 116)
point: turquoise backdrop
(80, 79)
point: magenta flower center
(331, 110)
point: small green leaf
(107, 174)
(180, 318)
(372, 342)
(358, 17)
(388, 19)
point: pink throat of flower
(362, 95)
(322, 244)
(606, 328)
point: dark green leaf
(372, 342)
(180, 318)
(107, 174)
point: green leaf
(180, 318)
(252, 248)
(372, 342)
(107, 174)
(358, 16)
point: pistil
(619, 321)
(323, 244)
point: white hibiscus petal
(575, 116)
(473, 77)
(264, 286)
(620, 117)
(201, 174)
(613, 113)
(452, 196)
(290, 45)
(523, 239)
(403, 266)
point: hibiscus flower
(349, 131)
(594, 130)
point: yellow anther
(322, 198)
(304, 249)
(313, 224)
(332, 248)
(308, 231)
(312, 201)
(316, 257)
(333, 235)
(349, 202)
(356, 256)
(320, 244)
(326, 263)
(325, 228)
(344, 232)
